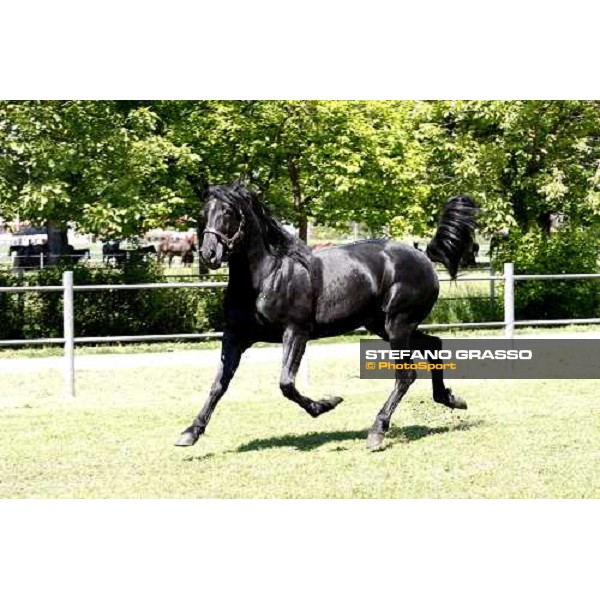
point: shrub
(107, 312)
(570, 250)
(471, 309)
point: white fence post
(509, 300)
(68, 334)
(492, 287)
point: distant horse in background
(141, 253)
(280, 290)
(321, 245)
(182, 247)
(112, 253)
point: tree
(102, 164)
(118, 168)
(520, 159)
(334, 161)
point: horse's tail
(455, 233)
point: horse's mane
(277, 240)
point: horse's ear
(240, 182)
(204, 190)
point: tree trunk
(303, 228)
(299, 203)
(57, 241)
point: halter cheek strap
(229, 243)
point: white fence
(69, 340)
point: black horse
(281, 291)
(112, 253)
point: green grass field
(525, 439)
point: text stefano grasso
(498, 354)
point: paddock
(519, 439)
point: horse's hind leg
(231, 353)
(294, 344)
(441, 394)
(399, 334)
(376, 326)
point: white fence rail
(69, 340)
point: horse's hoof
(456, 402)
(187, 438)
(452, 401)
(332, 401)
(375, 441)
(324, 405)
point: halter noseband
(229, 243)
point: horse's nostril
(212, 253)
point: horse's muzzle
(213, 252)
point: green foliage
(519, 159)
(333, 161)
(11, 308)
(571, 250)
(118, 168)
(101, 164)
(108, 312)
(466, 309)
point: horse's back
(356, 281)
(383, 263)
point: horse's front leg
(294, 345)
(231, 353)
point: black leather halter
(229, 243)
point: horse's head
(224, 227)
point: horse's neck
(250, 263)
(254, 263)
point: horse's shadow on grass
(311, 441)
